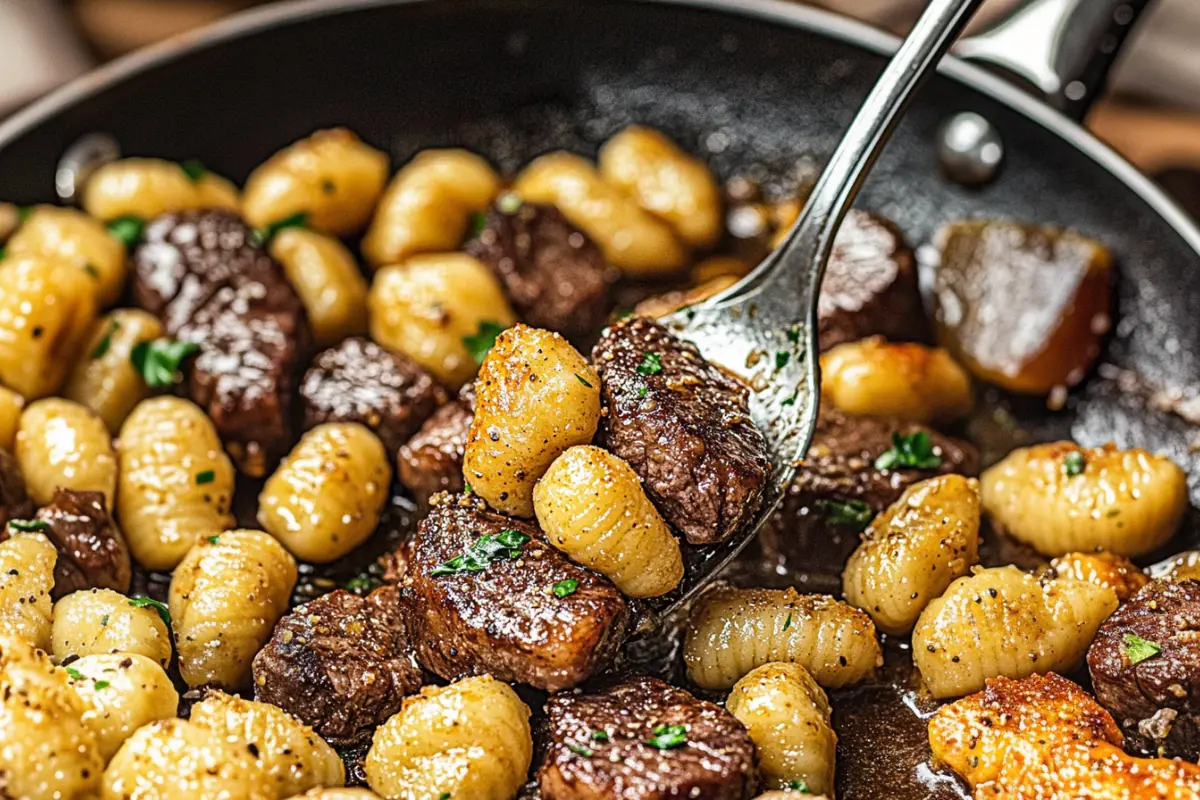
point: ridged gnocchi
(428, 205)
(75, 238)
(1060, 497)
(62, 444)
(101, 621)
(536, 396)
(337, 794)
(325, 275)
(46, 310)
(1103, 569)
(666, 181)
(324, 499)
(788, 717)
(104, 378)
(293, 757)
(428, 306)
(1004, 622)
(470, 739)
(732, 631)
(121, 692)
(11, 406)
(26, 578)
(632, 239)
(913, 551)
(226, 596)
(147, 187)
(176, 483)
(877, 378)
(592, 507)
(332, 176)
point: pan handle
(1064, 49)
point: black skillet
(754, 85)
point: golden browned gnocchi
(293, 757)
(78, 239)
(591, 506)
(176, 483)
(430, 307)
(147, 187)
(1183, 566)
(788, 717)
(101, 621)
(325, 275)
(536, 396)
(913, 551)
(121, 692)
(11, 405)
(26, 578)
(632, 239)
(332, 176)
(46, 310)
(176, 759)
(337, 794)
(468, 739)
(666, 181)
(46, 750)
(1004, 622)
(1060, 497)
(732, 631)
(1103, 569)
(62, 444)
(874, 377)
(427, 207)
(325, 498)
(226, 596)
(104, 378)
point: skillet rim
(814, 20)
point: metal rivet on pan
(79, 161)
(969, 149)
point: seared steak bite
(643, 739)
(553, 274)
(432, 460)
(359, 381)
(14, 502)
(684, 426)
(91, 550)
(485, 593)
(342, 664)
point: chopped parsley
(127, 230)
(793, 334)
(787, 623)
(102, 684)
(24, 213)
(565, 588)
(668, 737)
(260, 236)
(158, 361)
(444, 796)
(581, 380)
(3, 253)
(599, 736)
(193, 169)
(214, 539)
(478, 223)
(207, 476)
(479, 343)
(791, 401)
(782, 358)
(642, 391)
(580, 750)
(1138, 649)
(28, 525)
(467, 487)
(104, 620)
(105, 341)
(509, 203)
(360, 583)
(651, 364)
(504, 545)
(852, 513)
(1073, 464)
(798, 786)
(915, 450)
(75, 674)
(146, 602)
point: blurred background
(1151, 115)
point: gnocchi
(226, 596)
(468, 739)
(11, 405)
(176, 483)
(104, 378)
(536, 396)
(592, 507)
(26, 578)
(732, 631)
(325, 275)
(874, 377)
(788, 717)
(121, 692)
(1004, 622)
(101, 621)
(78, 239)
(62, 444)
(147, 187)
(428, 205)
(332, 176)
(1060, 497)
(337, 794)
(1103, 569)
(431, 307)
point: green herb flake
(74, 674)
(599, 736)
(914, 450)
(487, 549)
(651, 364)
(798, 786)
(90, 269)
(793, 335)
(146, 602)
(787, 623)
(28, 525)
(214, 539)
(360, 583)
(642, 391)
(791, 401)
(207, 476)
(444, 796)
(1073, 464)
(193, 169)
(509, 203)
(261, 236)
(104, 620)
(668, 737)
(467, 487)
(565, 588)
(782, 358)
(581, 380)
(105, 341)
(102, 684)
(158, 361)
(24, 213)
(580, 750)
(852, 513)
(479, 343)
(626, 314)
(3, 253)
(478, 223)
(1138, 649)
(127, 230)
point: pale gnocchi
(147, 187)
(323, 272)
(104, 378)
(26, 578)
(874, 377)
(75, 238)
(121, 692)
(63, 444)
(101, 621)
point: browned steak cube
(1145, 668)
(202, 273)
(91, 550)
(642, 739)
(684, 426)
(870, 285)
(432, 460)
(14, 502)
(554, 275)
(342, 664)
(485, 593)
(359, 381)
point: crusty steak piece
(92, 553)
(14, 501)
(432, 460)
